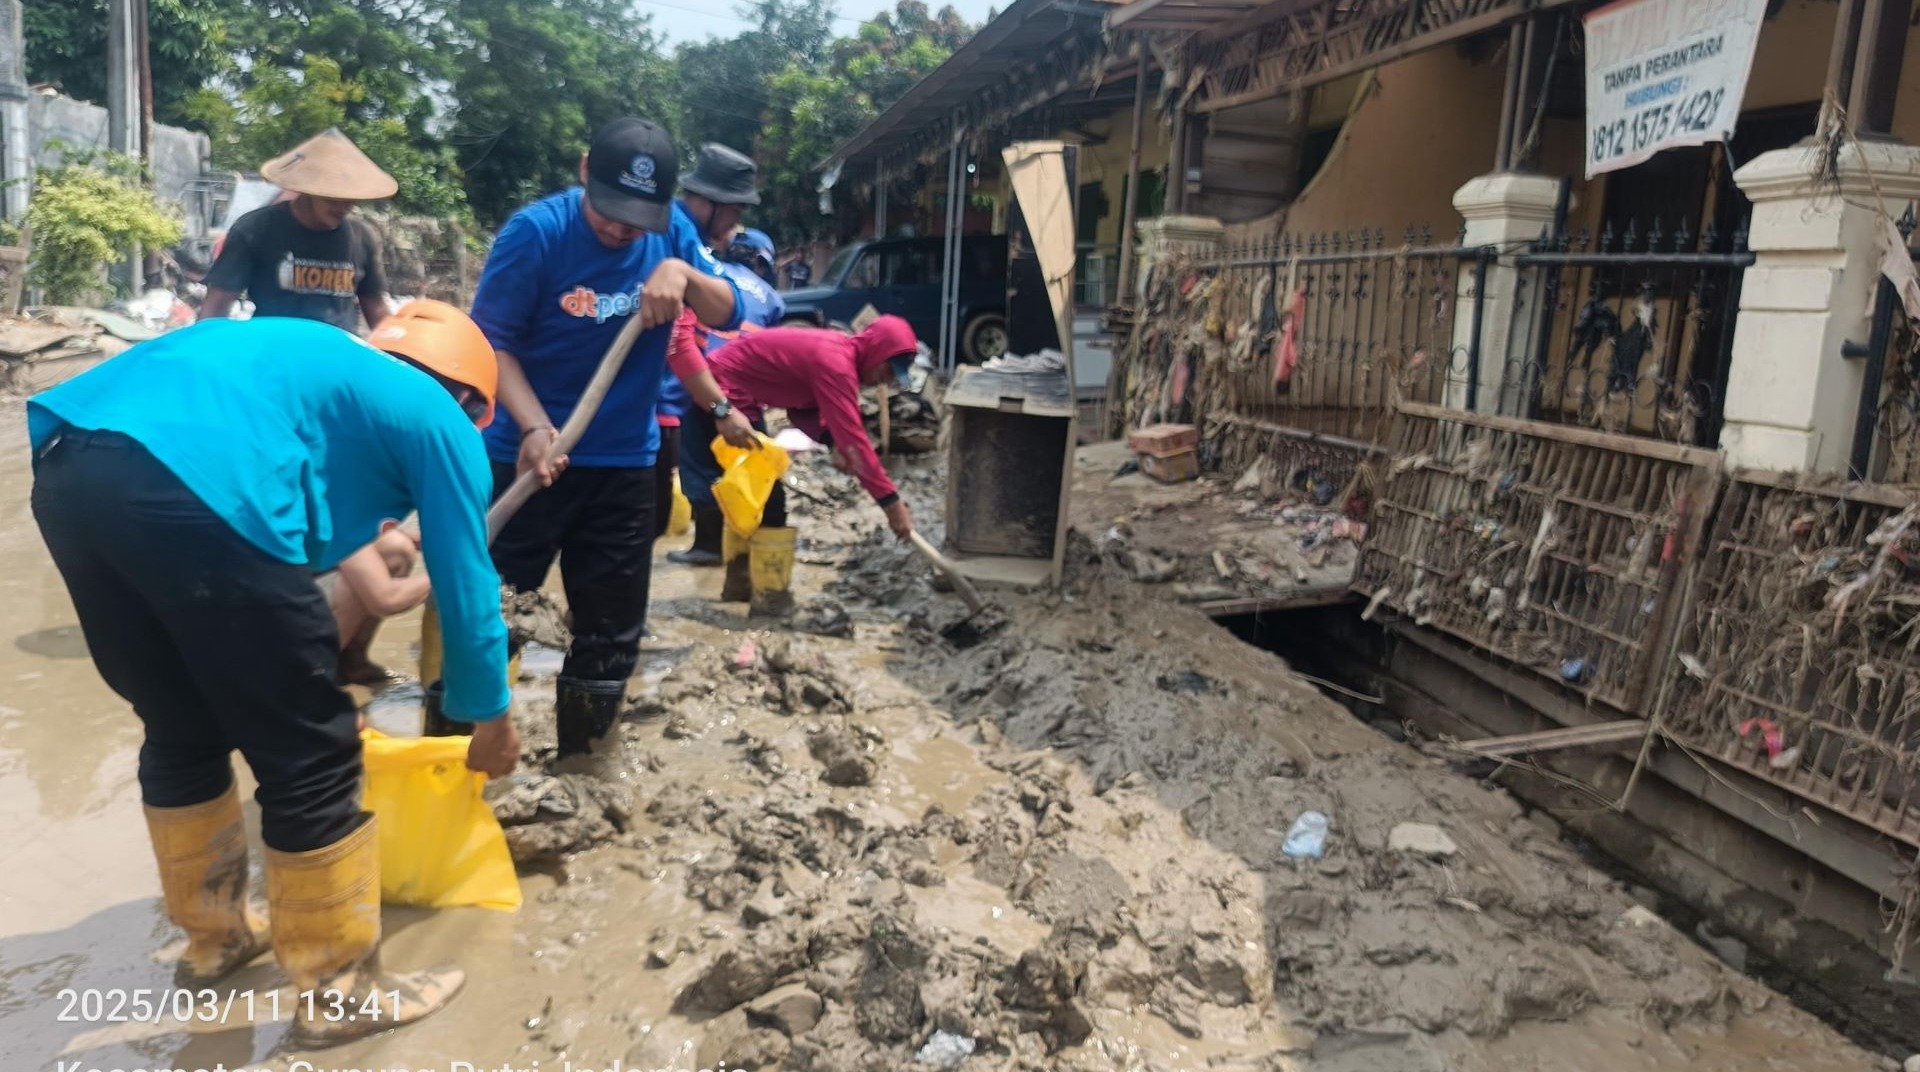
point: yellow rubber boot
(738, 587)
(325, 906)
(202, 853)
(770, 560)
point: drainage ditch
(1859, 994)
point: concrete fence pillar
(1196, 236)
(1792, 398)
(1505, 210)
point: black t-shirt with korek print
(290, 270)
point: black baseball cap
(632, 166)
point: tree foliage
(536, 77)
(91, 211)
(812, 109)
(67, 45)
(482, 105)
(724, 83)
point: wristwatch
(722, 410)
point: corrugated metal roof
(1144, 16)
(1032, 47)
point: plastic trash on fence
(440, 845)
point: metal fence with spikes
(1316, 333)
(1886, 432)
(1628, 332)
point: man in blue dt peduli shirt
(562, 278)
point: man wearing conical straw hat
(304, 257)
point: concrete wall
(182, 170)
(1106, 163)
(1417, 131)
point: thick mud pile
(1064, 848)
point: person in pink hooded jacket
(816, 376)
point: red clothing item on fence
(813, 374)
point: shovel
(968, 631)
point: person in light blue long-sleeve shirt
(189, 491)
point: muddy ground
(845, 844)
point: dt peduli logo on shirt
(584, 302)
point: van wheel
(984, 338)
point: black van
(902, 276)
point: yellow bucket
(433, 655)
(770, 559)
(440, 845)
(747, 480)
(680, 515)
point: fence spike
(1653, 236)
(1379, 238)
(1740, 237)
(1683, 240)
(1408, 237)
(1585, 240)
(1710, 238)
(1606, 237)
(1908, 222)
(1627, 240)
(1426, 234)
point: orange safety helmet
(445, 341)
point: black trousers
(663, 467)
(216, 644)
(700, 441)
(698, 469)
(599, 521)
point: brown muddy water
(1063, 844)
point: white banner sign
(1665, 73)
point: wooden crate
(1164, 440)
(1171, 468)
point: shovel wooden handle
(524, 485)
(528, 482)
(941, 563)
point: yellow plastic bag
(746, 481)
(680, 518)
(440, 845)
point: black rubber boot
(705, 552)
(435, 722)
(587, 721)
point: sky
(693, 20)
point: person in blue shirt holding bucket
(742, 256)
(720, 187)
(190, 490)
(562, 279)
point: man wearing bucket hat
(306, 257)
(189, 490)
(717, 192)
(720, 188)
(761, 307)
(816, 376)
(561, 281)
